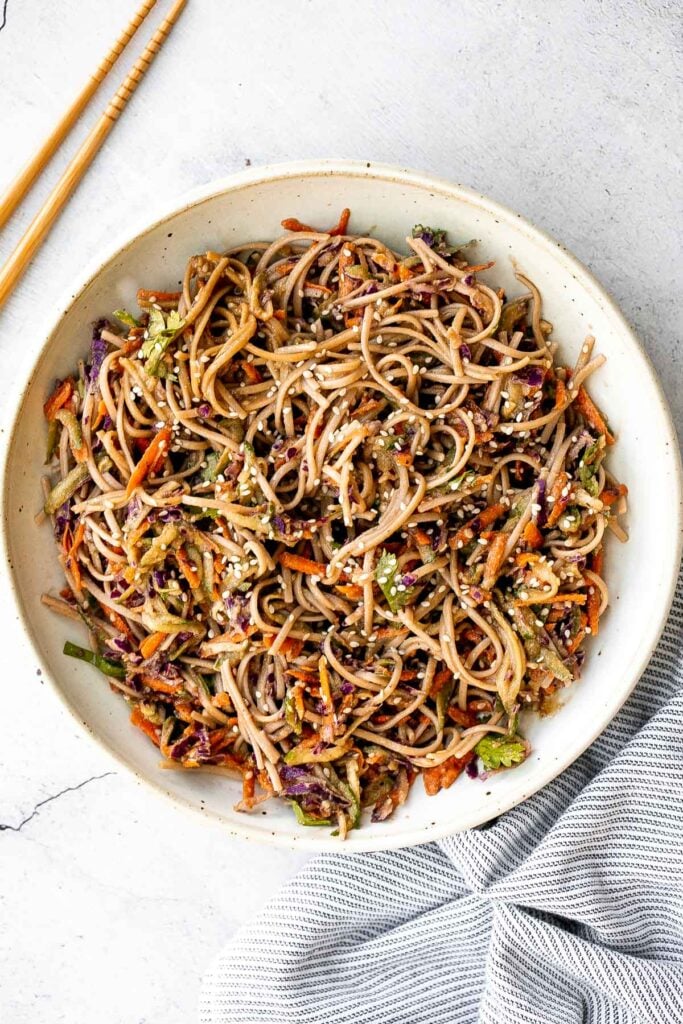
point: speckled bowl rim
(409, 836)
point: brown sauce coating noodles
(333, 517)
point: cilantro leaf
(587, 478)
(307, 819)
(161, 330)
(500, 752)
(125, 317)
(589, 466)
(385, 575)
(291, 714)
(435, 238)
(215, 464)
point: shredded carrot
(146, 296)
(131, 346)
(315, 287)
(380, 719)
(220, 738)
(532, 535)
(478, 523)
(371, 405)
(222, 700)
(218, 568)
(480, 266)
(138, 719)
(279, 314)
(183, 709)
(423, 538)
(350, 590)
(592, 415)
(251, 372)
(404, 273)
(557, 599)
(67, 540)
(404, 458)
(560, 501)
(100, 414)
(494, 560)
(342, 224)
(300, 564)
(248, 789)
(610, 495)
(302, 674)
(151, 643)
(598, 561)
(389, 632)
(527, 558)
(59, 397)
(187, 568)
(347, 258)
(289, 648)
(440, 680)
(460, 717)
(324, 675)
(117, 620)
(294, 224)
(408, 674)
(153, 456)
(560, 394)
(593, 609)
(72, 561)
(285, 268)
(442, 776)
(160, 685)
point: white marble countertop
(111, 901)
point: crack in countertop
(50, 799)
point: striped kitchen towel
(567, 909)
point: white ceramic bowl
(384, 201)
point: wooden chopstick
(23, 182)
(46, 216)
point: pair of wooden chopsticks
(46, 216)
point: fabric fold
(567, 909)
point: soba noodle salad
(333, 516)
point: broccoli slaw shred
(333, 517)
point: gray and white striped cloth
(567, 909)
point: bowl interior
(386, 203)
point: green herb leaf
(385, 575)
(307, 819)
(247, 489)
(291, 715)
(303, 753)
(109, 668)
(500, 752)
(126, 318)
(590, 464)
(570, 520)
(215, 464)
(553, 664)
(161, 331)
(435, 238)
